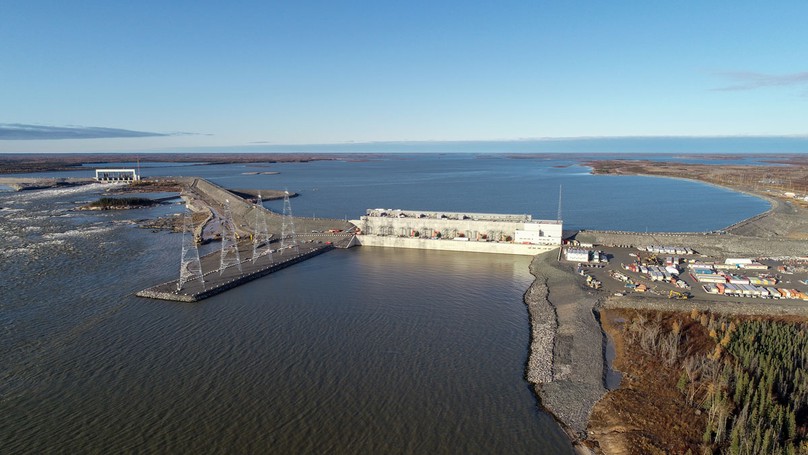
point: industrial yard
(679, 273)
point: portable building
(738, 261)
(577, 255)
(731, 289)
(710, 288)
(795, 294)
(735, 279)
(749, 290)
(763, 292)
(710, 278)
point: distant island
(124, 203)
(55, 162)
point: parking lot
(616, 280)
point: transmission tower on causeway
(261, 233)
(230, 255)
(288, 235)
(190, 267)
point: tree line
(750, 379)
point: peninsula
(659, 335)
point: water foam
(82, 232)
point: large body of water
(362, 350)
(483, 183)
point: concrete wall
(453, 245)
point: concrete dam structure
(244, 229)
(455, 231)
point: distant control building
(116, 175)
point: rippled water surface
(363, 350)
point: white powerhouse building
(476, 232)
(116, 175)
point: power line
(261, 233)
(230, 254)
(190, 267)
(288, 235)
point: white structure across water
(116, 175)
(478, 232)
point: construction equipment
(679, 295)
(593, 283)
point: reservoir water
(363, 350)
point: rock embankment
(720, 245)
(785, 220)
(543, 326)
(566, 360)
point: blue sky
(208, 74)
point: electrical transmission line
(288, 235)
(261, 233)
(230, 255)
(190, 267)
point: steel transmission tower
(558, 217)
(230, 255)
(261, 233)
(190, 267)
(288, 236)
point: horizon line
(524, 139)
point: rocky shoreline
(543, 327)
(566, 362)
